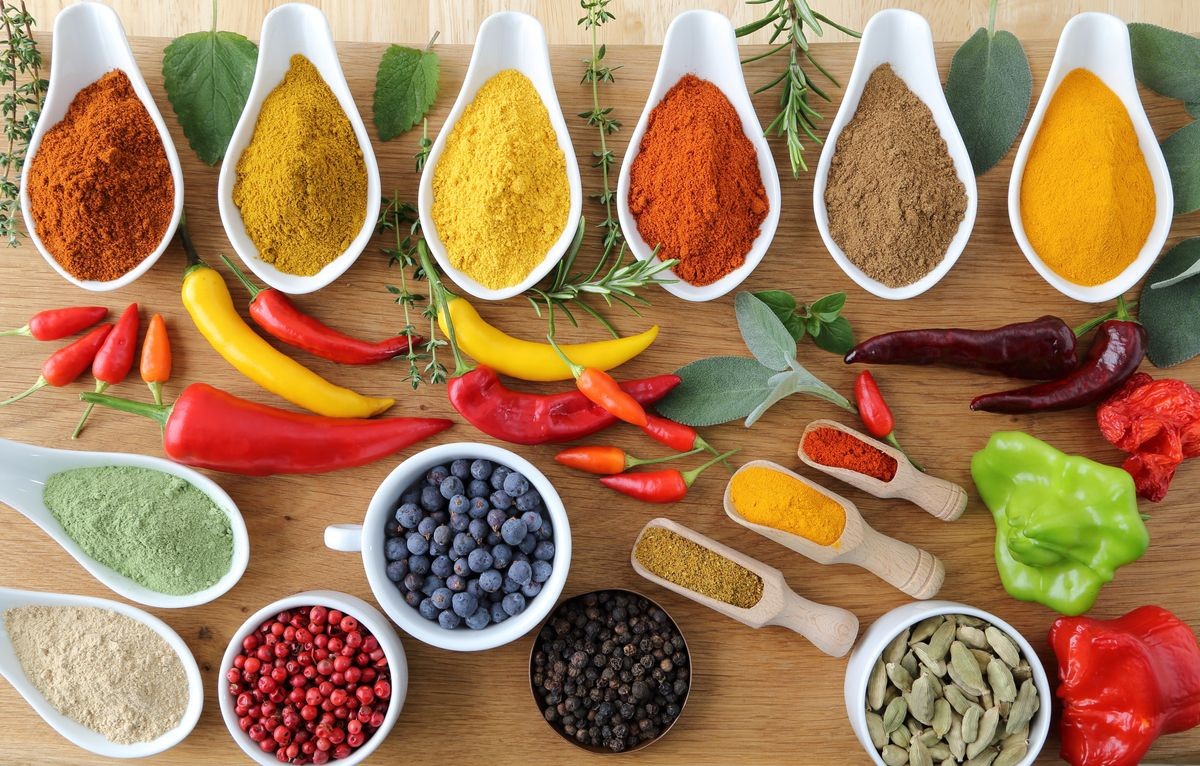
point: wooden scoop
(914, 571)
(830, 629)
(942, 499)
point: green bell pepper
(1064, 523)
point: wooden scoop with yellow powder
(825, 527)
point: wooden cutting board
(760, 697)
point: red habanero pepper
(677, 436)
(64, 366)
(208, 428)
(668, 485)
(274, 311)
(53, 324)
(600, 388)
(1123, 683)
(609, 460)
(114, 360)
(155, 363)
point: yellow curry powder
(1087, 199)
(500, 193)
(301, 183)
(674, 557)
(773, 499)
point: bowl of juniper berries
(610, 671)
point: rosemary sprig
(797, 119)
(20, 77)
(400, 218)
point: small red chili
(600, 389)
(873, 410)
(677, 436)
(64, 366)
(663, 486)
(608, 460)
(53, 324)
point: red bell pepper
(1123, 683)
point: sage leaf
(783, 389)
(836, 337)
(207, 76)
(1166, 61)
(716, 390)
(1181, 150)
(1171, 314)
(797, 381)
(765, 336)
(406, 86)
(988, 90)
(1193, 108)
(784, 306)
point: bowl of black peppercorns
(610, 671)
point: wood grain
(760, 696)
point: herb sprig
(401, 220)
(20, 77)
(822, 320)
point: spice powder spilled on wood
(893, 197)
(673, 557)
(101, 193)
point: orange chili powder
(838, 449)
(694, 186)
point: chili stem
(635, 462)
(892, 440)
(41, 383)
(153, 411)
(690, 476)
(156, 391)
(100, 386)
(576, 369)
(1120, 312)
(241, 277)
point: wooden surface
(760, 696)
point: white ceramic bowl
(369, 538)
(76, 732)
(703, 43)
(902, 39)
(89, 42)
(1099, 43)
(290, 29)
(506, 40)
(889, 625)
(368, 617)
(24, 469)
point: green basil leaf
(766, 337)
(716, 390)
(207, 76)
(405, 87)
(1171, 315)
(836, 336)
(988, 90)
(830, 304)
(1181, 150)
(1166, 61)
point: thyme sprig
(400, 219)
(793, 20)
(21, 103)
(595, 72)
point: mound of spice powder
(893, 197)
(694, 186)
(673, 557)
(101, 192)
(774, 499)
(838, 449)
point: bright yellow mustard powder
(773, 499)
(500, 193)
(301, 183)
(1087, 199)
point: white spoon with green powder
(124, 535)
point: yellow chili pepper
(207, 299)
(527, 360)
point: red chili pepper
(155, 364)
(873, 410)
(600, 388)
(208, 428)
(664, 486)
(274, 311)
(68, 363)
(677, 436)
(608, 460)
(522, 418)
(114, 360)
(53, 324)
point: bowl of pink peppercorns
(313, 678)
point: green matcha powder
(156, 529)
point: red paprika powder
(838, 449)
(694, 186)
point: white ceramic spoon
(1098, 43)
(290, 29)
(902, 39)
(89, 42)
(506, 40)
(703, 43)
(24, 469)
(74, 731)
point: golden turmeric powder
(500, 193)
(772, 499)
(301, 183)
(1087, 199)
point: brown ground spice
(673, 557)
(893, 197)
(100, 188)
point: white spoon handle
(829, 628)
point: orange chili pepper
(155, 364)
(600, 388)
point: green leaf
(784, 306)
(836, 336)
(716, 390)
(207, 76)
(1193, 108)
(1165, 61)
(405, 87)
(765, 336)
(798, 381)
(1181, 150)
(795, 327)
(1171, 314)
(988, 90)
(830, 304)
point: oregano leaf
(207, 77)
(765, 336)
(836, 337)
(406, 86)
(1171, 314)
(784, 305)
(716, 390)
(830, 304)
(1166, 61)
(988, 90)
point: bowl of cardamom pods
(939, 682)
